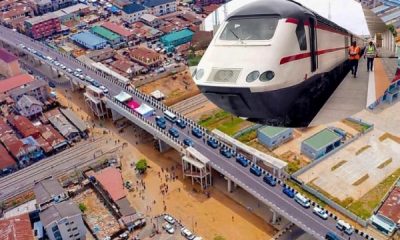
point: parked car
(226, 152)
(256, 170)
(269, 179)
(212, 142)
(242, 161)
(169, 228)
(187, 234)
(288, 192)
(169, 219)
(188, 142)
(320, 213)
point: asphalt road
(81, 155)
(272, 196)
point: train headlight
(252, 76)
(267, 76)
(199, 73)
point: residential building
(93, 99)
(28, 106)
(9, 65)
(133, 12)
(390, 208)
(72, 13)
(383, 224)
(5, 128)
(160, 7)
(145, 57)
(150, 20)
(175, 39)
(126, 68)
(110, 180)
(89, 40)
(126, 34)
(7, 163)
(16, 228)
(43, 26)
(63, 221)
(45, 6)
(273, 137)
(11, 83)
(101, 55)
(14, 13)
(209, 2)
(37, 89)
(23, 126)
(112, 38)
(75, 120)
(321, 144)
(121, 3)
(59, 122)
(49, 191)
(54, 138)
(23, 150)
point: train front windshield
(253, 29)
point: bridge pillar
(274, 217)
(115, 115)
(162, 146)
(229, 185)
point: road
(76, 157)
(271, 196)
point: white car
(320, 213)
(187, 234)
(169, 219)
(56, 63)
(81, 77)
(169, 228)
(62, 66)
(105, 90)
(49, 58)
(78, 70)
(69, 70)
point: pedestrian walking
(370, 54)
(354, 57)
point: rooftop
(43, 18)
(89, 38)
(4, 128)
(391, 206)
(171, 37)
(105, 33)
(145, 53)
(111, 181)
(154, 3)
(148, 17)
(46, 189)
(16, 228)
(58, 211)
(133, 8)
(6, 56)
(6, 160)
(77, 122)
(14, 82)
(51, 135)
(272, 131)
(35, 84)
(322, 139)
(117, 28)
(23, 125)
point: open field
(224, 122)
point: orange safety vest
(356, 51)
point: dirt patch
(361, 180)
(385, 163)
(389, 136)
(338, 165)
(359, 151)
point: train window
(254, 28)
(301, 36)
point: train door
(313, 45)
(346, 45)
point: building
(145, 57)
(23, 150)
(63, 220)
(93, 99)
(45, 6)
(150, 20)
(175, 39)
(59, 122)
(37, 89)
(54, 138)
(272, 137)
(209, 2)
(101, 55)
(7, 163)
(75, 120)
(133, 12)
(23, 125)
(72, 13)
(48, 191)
(321, 144)
(160, 7)
(14, 13)
(110, 180)
(126, 68)
(16, 228)
(43, 26)
(126, 34)
(11, 83)
(89, 40)
(5, 128)
(9, 65)
(391, 206)
(383, 224)
(112, 38)
(28, 106)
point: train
(275, 62)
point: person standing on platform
(370, 54)
(354, 56)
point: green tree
(82, 207)
(392, 29)
(219, 237)
(141, 166)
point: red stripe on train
(307, 55)
(320, 26)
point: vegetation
(361, 180)
(389, 136)
(141, 166)
(338, 165)
(219, 237)
(359, 151)
(223, 121)
(293, 166)
(82, 207)
(357, 126)
(193, 59)
(248, 136)
(392, 29)
(385, 163)
(305, 193)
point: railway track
(190, 104)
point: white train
(275, 62)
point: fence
(246, 130)
(137, 82)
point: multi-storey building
(43, 26)
(160, 7)
(45, 6)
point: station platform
(356, 94)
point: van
(303, 201)
(344, 226)
(331, 236)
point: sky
(346, 13)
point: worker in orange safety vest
(354, 56)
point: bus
(170, 116)
(344, 226)
(303, 201)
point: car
(197, 132)
(161, 125)
(226, 152)
(269, 179)
(95, 83)
(320, 213)
(212, 142)
(49, 58)
(76, 74)
(69, 70)
(187, 234)
(56, 63)
(169, 219)
(52, 85)
(160, 119)
(288, 192)
(81, 77)
(174, 132)
(104, 89)
(188, 142)
(78, 70)
(62, 66)
(242, 161)
(21, 45)
(256, 170)
(169, 228)
(181, 123)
